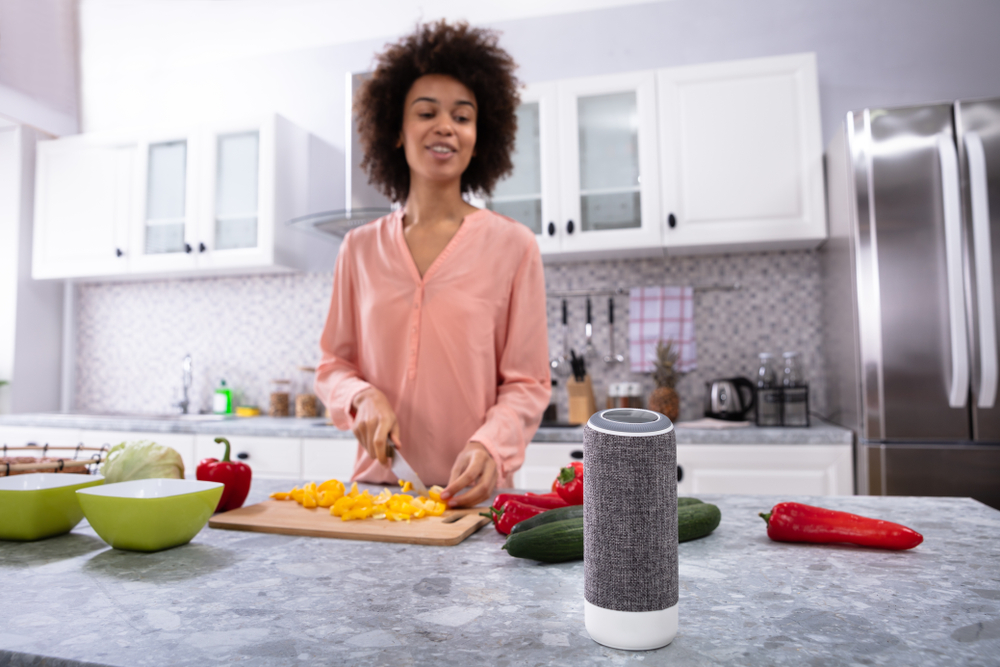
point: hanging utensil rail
(625, 290)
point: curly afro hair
(469, 55)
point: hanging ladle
(561, 364)
(612, 358)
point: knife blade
(402, 470)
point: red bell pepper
(795, 522)
(569, 483)
(512, 512)
(235, 475)
(549, 501)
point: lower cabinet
(323, 459)
(814, 470)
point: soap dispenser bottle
(222, 400)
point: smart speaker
(630, 529)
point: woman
(436, 337)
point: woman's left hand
(473, 468)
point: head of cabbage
(142, 459)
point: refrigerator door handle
(959, 389)
(984, 270)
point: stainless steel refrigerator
(910, 297)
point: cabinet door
(742, 157)
(164, 235)
(82, 201)
(235, 221)
(327, 458)
(530, 194)
(279, 458)
(814, 470)
(609, 170)
(542, 463)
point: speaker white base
(630, 630)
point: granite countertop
(274, 600)
(819, 433)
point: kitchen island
(259, 599)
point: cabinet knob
(569, 227)
(680, 473)
(552, 229)
(187, 247)
(118, 252)
(671, 221)
(201, 247)
(576, 454)
(243, 456)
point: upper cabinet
(741, 155)
(207, 200)
(709, 158)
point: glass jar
(280, 401)
(795, 392)
(306, 405)
(768, 403)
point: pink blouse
(461, 354)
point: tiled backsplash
(252, 329)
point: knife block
(581, 400)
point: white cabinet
(190, 201)
(24, 436)
(83, 198)
(609, 174)
(542, 463)
(814, 470)
(279, 458)
(742, 156)
(326, 458)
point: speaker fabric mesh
(630, 521)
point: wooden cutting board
(290, 518)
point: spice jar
(306, 405)
(280, 398)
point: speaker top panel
(630, 421)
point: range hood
(363, 202)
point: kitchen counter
(259, 599)
(819, 433)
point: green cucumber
(554, 542)
(559, 540)
(558, 514)
(698, 520)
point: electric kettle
(729, 398)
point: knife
(402, 470)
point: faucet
(185, 402)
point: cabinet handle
(671, 221)
(680, 473)
(576, 454)
(118, 252)
(569, 227)
(201, 247)
(187, 247)
(552, 229)
(243, 456)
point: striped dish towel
(660, 313)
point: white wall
(30, 311)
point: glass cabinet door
(166, 197)
(609, 162)
(519, 196)
(609, 169)
(236, 184)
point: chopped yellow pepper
(406, 485)
(296, 494)
(309, 501)
(281, 495)
(342, 505)
(354, 504)
(435, 492)
(334, 487)
(354, 490)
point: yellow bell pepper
(280, 495)
(342, 505)
(334, 487)
(309, 501)
(354, 490)
(406, 485)
(435, 492)
(328, 498)
(296, 494)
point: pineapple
(664, 398)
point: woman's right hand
(375, 423)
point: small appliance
(730, 399)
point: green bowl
(150, 514)
(40, 505)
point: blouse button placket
(415, 334)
